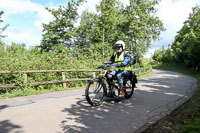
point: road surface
(69, 112)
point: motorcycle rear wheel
(128, 89)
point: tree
(99, 29)
(107, 20)
(59, 33)
(85, 31)
(159, 54)
(16, 49)
(3, 28)
(136, 24)
(140, 26)
(2, 45)
(186, 46)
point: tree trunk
(103, 43)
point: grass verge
(185, 119)
(32, 91)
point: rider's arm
(112, 59)
(126, 61)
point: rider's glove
(108, 62)
(102, 66)
(119, 65)
(106, 65)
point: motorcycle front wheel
(94, 92)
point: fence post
(94, 75)
(139, 72)
(25, 79)
(63, 78)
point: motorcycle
(97, 88)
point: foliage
(99, 29)
(140, 26)
(136, 24)
(96, 51)
(186, 47)
(107, 19)
(17, 58)
(145, 62)
(59, 33)
(2, 29)
(85, 31)
(162, 55)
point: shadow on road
(3, 107)
(6, 127)
(91, 119)
(170, 84)
(152, 95)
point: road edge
(153, 120)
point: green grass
(186, 119)
(145, 75)
(192, 127)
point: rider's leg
(120, 76)
(110, 80)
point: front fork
(104, 86)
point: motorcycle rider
(121, 60)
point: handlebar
(110, 62)
(104, 66)
(113, 66)
(101, 66)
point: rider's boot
(121, 91)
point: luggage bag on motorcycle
(133, 78)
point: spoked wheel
(94, 92)
(128, 88)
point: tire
(94, 92)
(128, 89)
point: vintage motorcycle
(98, 87)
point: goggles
(118, 46)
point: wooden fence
(139, 71)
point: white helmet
(120, 42)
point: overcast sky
(25, 18)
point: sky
(25, 19)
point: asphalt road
(69, 112)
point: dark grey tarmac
(69, 112)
